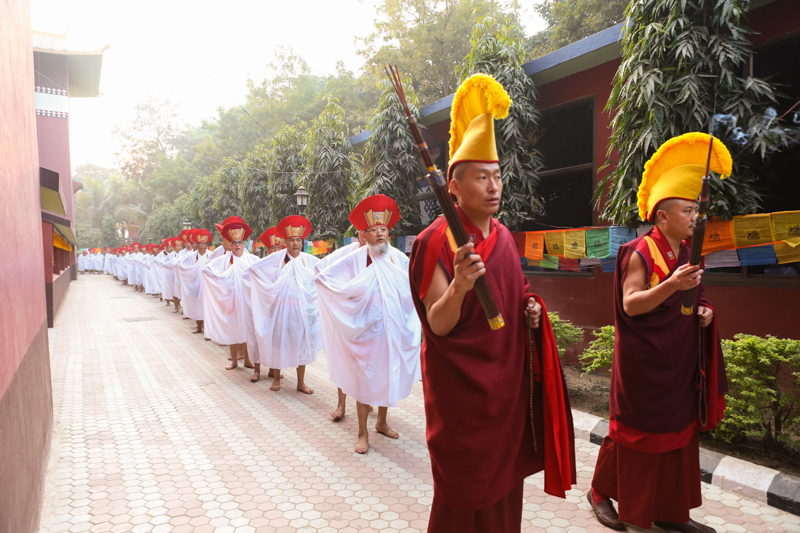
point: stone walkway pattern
(152, 434)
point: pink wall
(21, 270)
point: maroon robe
(477, 389)
(649, 462)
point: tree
(682, 63)
(151, 133)
(254, 193)
(286, 168)
(331, 172)
(226, 182)
(390, 156)
(165, 221)
(498, 50)
(572, 20)
(108, 232)
(427, 39)
(96, 198)
(87, 235)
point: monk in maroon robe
(495, 413)
(664, 390)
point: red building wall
(26, 409)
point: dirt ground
(590, 394)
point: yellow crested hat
(676, 170)
(476, 104)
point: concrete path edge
(759, 483)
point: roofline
(589, 52)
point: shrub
(566, 334)
(600, 352)
(764, 394)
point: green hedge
(566, 334)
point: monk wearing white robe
(190, 270)
(82, 262)
(272, 243)
(329, 259)
(182, 247)
(369, 322)
(285, 309)
(228, 317)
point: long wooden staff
(438, 184)
(696, 253)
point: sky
(197, 53)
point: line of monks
(496, 403)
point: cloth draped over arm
(285, 309)
(370, 328)
(190, 270)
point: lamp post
(186, 224)
(301, 197)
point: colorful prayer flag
(721, 259)
(718, 236)
(749, 230)
(785, 225)
(519, 240)
(757, 255)
(575, 243)
(555, 242)
(534, 246)
(788, 251)
(597, 243)
(549, 261)
(617, 236)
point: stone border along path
(151, 434)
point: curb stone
(756, 482)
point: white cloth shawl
(158, 272)
(285, 310)
(335, 256)
(176, 279)
(191, 272)
(81, 263)
(147, 274)
(228, 318)
(370, 326)
(167, 276)
(122, 267)
(218, 252)
(98, 262)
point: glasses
(237, 243)
(378, 230)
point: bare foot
(305, 389)
(231, 366)
(249, 365)
(276, 385)
(362, 446)
(338, 414)
(272, 373)
(198, 331)
(256, 376)
(387, 431)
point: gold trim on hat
(202, 239)
(236, 234)
(274, 240)
(295, 231)
(378, 217)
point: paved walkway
(152, 434)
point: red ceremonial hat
(203, 236)
(135, 244)
(235, 230)
(185, 235)
(192, 235)
(271, 238)
(229, 219)
(377, 209)
(177, 241)
(293, 226)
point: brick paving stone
(152, 434)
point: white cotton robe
(285, 310)
(98, 261)
(335, 256)
(147, 274)
(226, 300)
(191, 272)
(121, 267)
(371, 329)
(81, 263)
(219, 251)
(167, 276)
